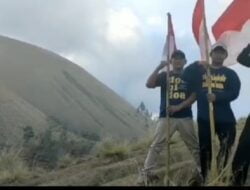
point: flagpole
(213, 172)
(166, 181)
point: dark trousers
(242, 156)
(225, 132)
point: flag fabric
(233, 29)
(170, 45)
(200, 30)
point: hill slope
(15, 115)
(66, 92)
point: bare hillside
(66, 92)
(15, 115)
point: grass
(223, 178)
(113, 149)
(115, 162)
(13, 169)
(66, 161)
(143, 142)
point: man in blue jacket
(242, 156)
(225, 89)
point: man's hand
(162, 65)
(204, 63)
(151, 82)
(174, 108)
(211, 97)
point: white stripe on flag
(203, 35)
(235, 42)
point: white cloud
(122, 26)
(83, 60)
(154, 21)
(124, 38)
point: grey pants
(185, 126)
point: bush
(113, 149)
(91, 136)
(66, 161)
(28, 134)
(13, 169)
(50, 146)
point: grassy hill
(51, 109)
(66, 92)
(111, 163)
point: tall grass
(113, 149)
(144, 142)
(224, 177)
(13, 169)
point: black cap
(178, 54)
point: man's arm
(231, 92)
(244, 56)
(191, 76)
(152, 80)
(188, 102)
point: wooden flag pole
(167, 105)
(213, 172)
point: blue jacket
(225, 85)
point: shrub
(110, 148)
(13, 169)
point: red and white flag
(200, 30)
(170, 45)
(233, 29)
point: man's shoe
(146, 178)
(196, 180)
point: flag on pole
(233, 29)
(169, 48)
(200, 30)
(170, 45)
(202, 38)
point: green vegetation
(13, 168)
(115, 150)
(57, 157)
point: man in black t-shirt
(242, 156)
(180, 116)
(225, 89)
(244, 56)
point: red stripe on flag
(233, 19)
(200, 29)
(233, 29)
(170, 25)
(197, 19)
(171, 37)
(170, 45)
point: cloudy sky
(118, 41)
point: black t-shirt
(244, 56)
(225, 85)
(178, 93)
